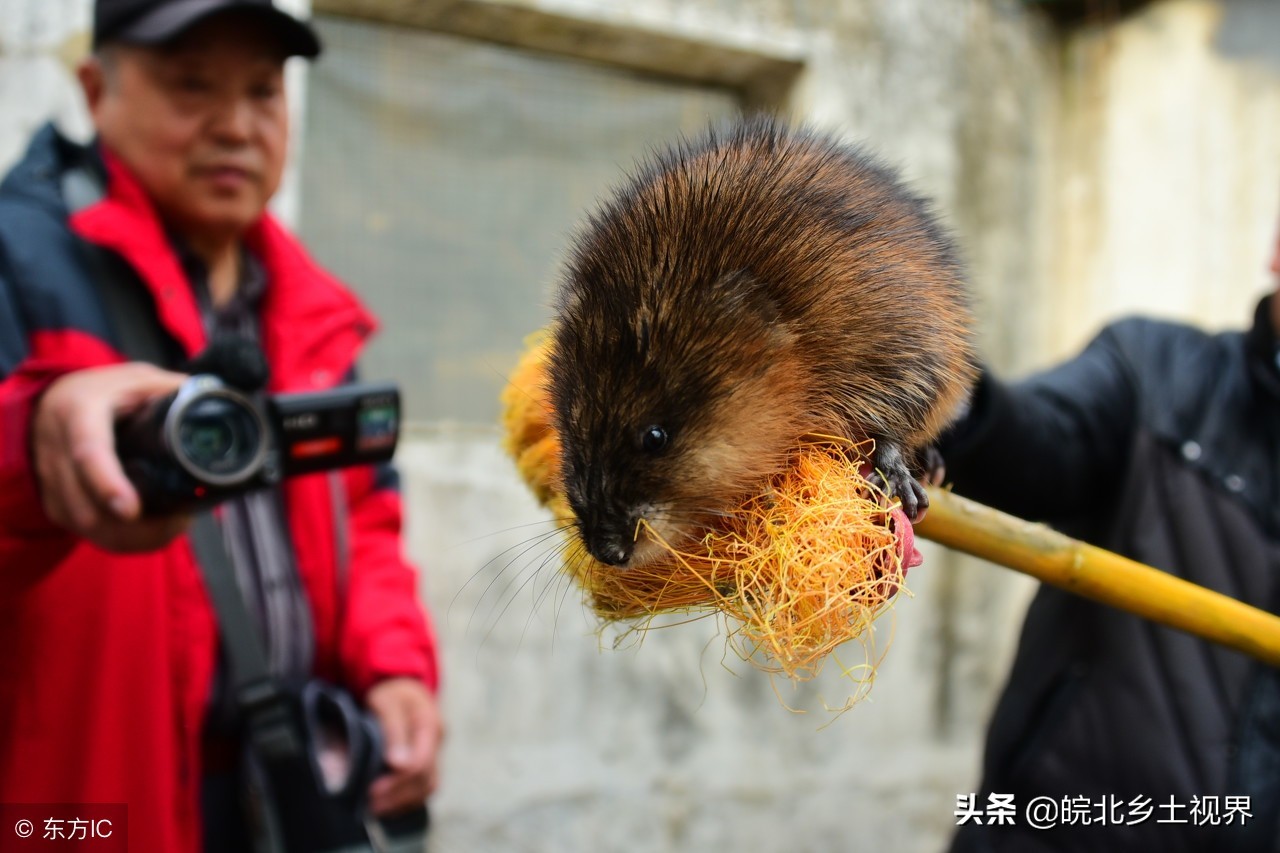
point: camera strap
(264, 706)
(130, 310)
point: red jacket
(106, 660)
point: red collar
(312, 327)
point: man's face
(202, 122)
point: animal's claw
(892, 475)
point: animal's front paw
(892, 475)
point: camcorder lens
(219, 435)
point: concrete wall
(1125, 167)
(1168, 183)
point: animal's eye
(653, 439)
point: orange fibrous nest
(798, 569)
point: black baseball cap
(158, 21)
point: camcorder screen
(377, 424)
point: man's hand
(411, 726)
(82, 485)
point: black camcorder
(209, 440)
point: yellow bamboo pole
(1100, 575)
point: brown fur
(743, 291)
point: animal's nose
(612, 553)
(610, 549)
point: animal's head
(678, 376)
(674, 397)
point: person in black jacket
(1162, 443)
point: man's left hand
(411, 726)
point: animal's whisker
(566, 583)
(537, 602)
(528, 570)
(578, 552)
(532, 570)
(562, 523)
(527, 545)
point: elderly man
(110, 677)
(1159, 442)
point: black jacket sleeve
(1052, 446)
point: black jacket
(1162, 443)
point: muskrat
(743, 290)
